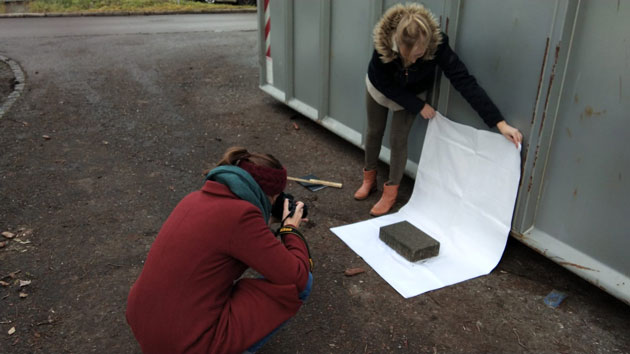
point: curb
(19, 87)
(125, 13)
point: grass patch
(140, 6)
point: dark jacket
(402, 85)
(187, 298)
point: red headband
(271, 180)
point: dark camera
(278, 206)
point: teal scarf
(243, 185)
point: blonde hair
(413, 28)
(409, 22)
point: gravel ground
(101, 147)
(6, 81)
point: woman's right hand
(296, 218)
(427, 111)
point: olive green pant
(400, 127)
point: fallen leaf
(105, 142)
(23, 295)
(4, 283)
(46, 137)
(172, 188)
(25, 242)
(353, 271)
(8, 234)
(479, 325)
(295, 126)
(2, 244)
(24, 283)
(11, 331)
(49, 321)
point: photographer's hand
(296, 218)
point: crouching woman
(189, 298)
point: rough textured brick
(409, 241)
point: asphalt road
(120, 117)
(96, 26)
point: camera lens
(278, 207)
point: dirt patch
(7, 81)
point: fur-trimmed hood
(386, 28)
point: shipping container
(559, 71)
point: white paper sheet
(463, 197)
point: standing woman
(189, 297)
(408, 48)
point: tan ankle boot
(386, 202)
(368, 186)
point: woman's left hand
(510, 133)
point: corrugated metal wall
(556, 70)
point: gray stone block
(409, 241)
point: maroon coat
(186, 298)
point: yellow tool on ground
(316, 181)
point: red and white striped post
(268, 43)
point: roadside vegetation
(140, 6)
